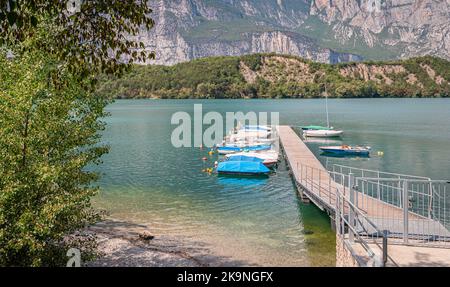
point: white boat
(248, 136)
(269, 158)
(243, 144)
(250, 141)
(268, 140)
(322, 133)
(272, 155)
(256, 128)
(325, 132)
(261, 134)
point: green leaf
(34, 21)
(12, 18)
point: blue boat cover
(230, 148)
(244, 158)
(244, 167)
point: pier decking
(317, 184)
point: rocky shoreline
(124, 244)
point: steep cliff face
(416, 27)
(329, 31)
(190, 29)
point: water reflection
(242, 181)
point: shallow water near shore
(256, 221)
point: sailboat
(322, 132)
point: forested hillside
(280, 76)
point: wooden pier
(315, 184)
(298, 154)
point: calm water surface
(257, 221)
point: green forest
(281, 76)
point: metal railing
(413, 209)
(415, 212)
(352, 221)
(333, 189)
(368, 173)
(410, 210)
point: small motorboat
(244, 144)
(248, 140)
(258, 148)
(243, 168)
(251, 134)
(322, 133)
(228, 150)
(347, 150)
(270, 154)
(269, 162)
(255, 128)
(235, 149)
(268, 140)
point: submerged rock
(146, 236)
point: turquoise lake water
(257, 221)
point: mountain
(328, 31)
(283, 76)
(383, 28)
(191, 29)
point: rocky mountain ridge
(328, 31)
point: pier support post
(351, 212)
(333, 224)
(405, 212)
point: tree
(94, 36)
(48, 135)
(50, 118)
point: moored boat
(270, 154)
(347, 150)
(242, 168)
(235, 149)
(255, 128)
(246, 135)
(322, 133)
(315, 128)
(319, 131)
(244, 143)
(255, 157)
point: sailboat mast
(326, 101)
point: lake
(257, 221)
